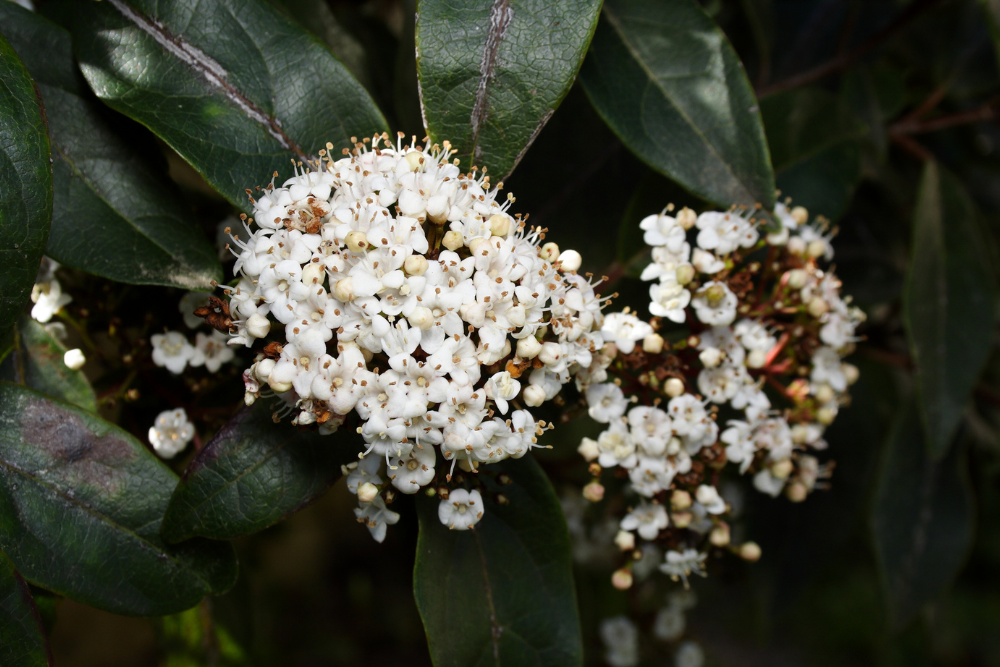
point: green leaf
(253, 474)
(25, 185)
(503, 593)
(492, 73)
(81, 503)
(116, 214)
(949, 303)
(193, 638)
(237, 89)
(815, 142)
(670, 85)
(37, 362)
(922, 519)
(22, 637)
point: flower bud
(816, 249)
(516, 316)
(782, 469)
(686, 218)
(344, 290)
(588, 449)
(756, 359)
(415, 265)
(549, 252)
(74, 359)
(714, 295)
(533, 395)
(570, 260)
(357, 241)
(499, 224)
(796, 246)
(622, 579)
(258, 326)
(653, 343)
(367, 492)
(800, 214)
(818, 307)
(825, 416)
(528, 347)
(800, 434)
(452, 240)
(685, 274)
(720, 535)
(797, 278)
(415, 159)
(680, 500)
(825, 393)
(673, 387)
(682, 519)
(850, 372)
(711, 357)
(313, 273)
(550, 354)
(593, 492)
(262, 369)
(278, 387)
(625, 540)
(421, 318)
(750, 552)
(797, 492)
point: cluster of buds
(748, 371)
(403, 292)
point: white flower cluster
(47, 294)
(748, 326)
(170, 433)
(407, 294)
(173, 351)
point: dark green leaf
(22, 638)
(115, 212)
(670, 85)
(37, 362)
(922, 519)
(949, 303)
(815, 142)
(236, 88)
(501, 594)
(253, 474)
(25, 185)
(81, 502)
(492, 73)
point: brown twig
(917, 126)
(842, 61)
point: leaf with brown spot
(81, 502)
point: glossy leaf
(922, 520)
(815, 141)
(949, 303)
(115, 212)
(234, 86)
(37, 362)
(25, 185)
(670, 85)
(253, 474)
(492, 73)
(81, 503)
(22, 637)
(501, 594)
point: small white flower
(170, 433)
(621, 642)
(172, 350)
(74, 359)
(715, 304)
(377, 517)
(709, 497)
(648, 519)
(211, 351)
(681, 564)
(724, 232)
(624, 329)
(827, 368)
(502, 388)
(706, 262)
(767, 483)
(663, 230)
(410, 473)
(462, 510)
(669, 300)
(606, 401)
(49, 299)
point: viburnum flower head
(390, 285)
(170, 433)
